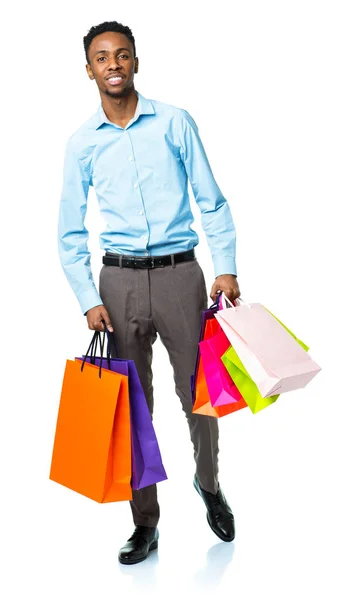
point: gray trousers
(167, 301)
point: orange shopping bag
(202, 404)
(92, 446)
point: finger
(105, 319)
(230, 294)
(236, 293)
(233, 295)
(109, 326)
(95, 325)
(100, 325)
(90, 323)
(214, 291)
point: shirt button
(130, 158)
(135, 185)
(146, 253)
(140, 212)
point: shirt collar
(143, 107)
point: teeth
(114, 78)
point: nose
(114, 66)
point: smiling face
(112, 64)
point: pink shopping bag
(222, 389)
(271, 354)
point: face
(112, 64)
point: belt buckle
(153, 265)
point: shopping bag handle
(110, 335)
(216, 305)
(89, 349)
(92, 351)
(94, 346)
(239, 301)
(93, 354)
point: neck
(120, 109)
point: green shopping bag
(243, 381)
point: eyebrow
(118, 50)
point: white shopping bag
(272, 355)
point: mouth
(115, 80)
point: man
(138, 154)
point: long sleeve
(72, 233)
(216, 216)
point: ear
(89, 71)
(136, 70)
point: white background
(264, 82)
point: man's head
(111, 58)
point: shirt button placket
(140, 212)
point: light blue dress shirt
(140, 176)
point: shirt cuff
(224, 265)
(89, 299)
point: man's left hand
(227, 284)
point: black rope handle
(101, 353)
(91, 351)
(110, 335)
(107, 357)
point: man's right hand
(96, 315)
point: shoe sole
(223, 538)
(153, 546)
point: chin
(118, 93)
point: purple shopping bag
(147, 466)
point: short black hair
(107, 26)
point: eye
(100, 58)
(123, 56)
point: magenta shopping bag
(221, 387)
(147, 466)
(207, 315)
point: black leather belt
(147, 262)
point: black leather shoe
(219, 514)
(138, 546)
